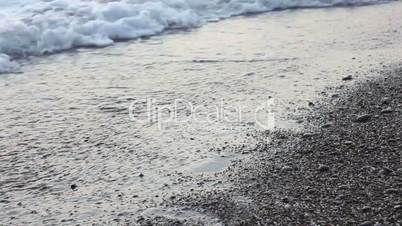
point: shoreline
(68, 140)
(347, 171)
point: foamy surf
(30, 27)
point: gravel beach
(346, 170)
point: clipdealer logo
(182, 112)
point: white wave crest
(29, 27)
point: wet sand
(344, 169)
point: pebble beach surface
(346, 170)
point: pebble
(363, 118)
(73, 186)
(347, 78)
(387, 110)
(366, 209)
(366, 223)
(141, 175)
(286, 168)
(326, 125)
(398, 207)
(348, 142)
(323, 168)
(385, 100)
(387, 170)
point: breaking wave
(36, 27)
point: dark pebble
(73, 186)
(363, 118)
(387, 170)
(366, 209)
(323, 168)
(347, 78)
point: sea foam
(33, 27)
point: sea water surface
(66, 119)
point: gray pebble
(363, 118)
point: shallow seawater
(66, 119)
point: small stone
(387, 110)
(311, 191)
(363, 118)
(73, 187)
(385, 100)
(366, 209)
(327, 125)
(323, 168)
(348, 142)
(141, 218)
(366, 223)
(141, 175)
(387, 170)
(347, 78)
(287, 168)
(398, 207)
(311, 104)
